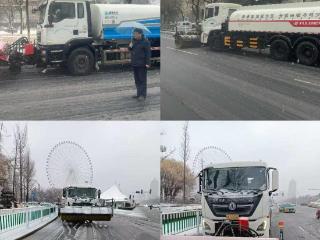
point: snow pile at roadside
(130, 213)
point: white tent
(115, 194)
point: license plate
(232, 217)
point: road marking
(94, 233)
(301, 228)
(307, 82)
(178, 50)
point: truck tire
(15, 68)
(179, 42)
(80, 61)
(307, 53)
(280, 50)
(215, 43)
(15, 60)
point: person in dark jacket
(140, 61)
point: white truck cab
(80, 204)
(62, 20)
(237, 189)
(215, 15)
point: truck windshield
(61, 10)
(235, 179)
(82, 192)
(211, 12)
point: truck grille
(244, 206)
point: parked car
(315, 204)
(287, 208)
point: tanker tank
(277, 18)
(115, 21)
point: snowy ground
(138, 224)
(104, 95)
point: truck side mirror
(275, 180)
(50, 19)
(202, 13)
(200, 182)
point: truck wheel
(280, 50)
(15, 68)
(307, 53)
(215, 44)
(179, 42)
(80, 61)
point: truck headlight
(262, 226)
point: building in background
(292, 191)
(154, 187)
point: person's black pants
(140, 78)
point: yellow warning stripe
(227, 40)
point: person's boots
(141, 98)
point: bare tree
(15, 167)
(20, 149)
(185, 152)
(1, 136)
(29, 172)
(172, 182)
(9, 9)
(27, 18)
(49, 195)
(167, 154)
(196, 8)
(171, 10)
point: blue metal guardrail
(177, 222)
(17, 222)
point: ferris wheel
(207, 156)
(68, 164)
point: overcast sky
(292, 147)
(126, 153)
